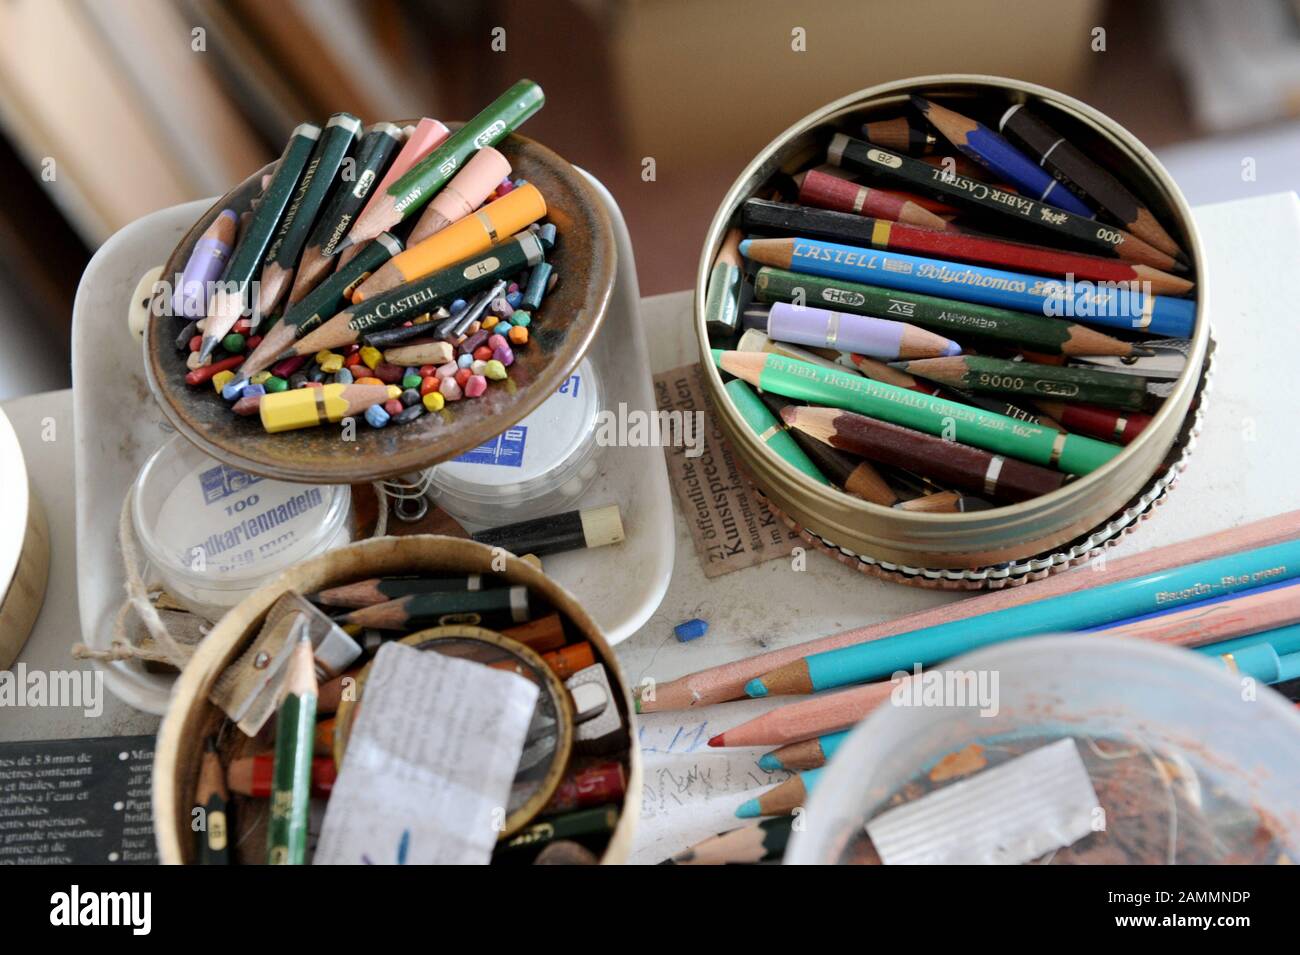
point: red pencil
(839, 195)
(1104, 423)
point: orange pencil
(495, 222)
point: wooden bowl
(192, 717)
(584, 257)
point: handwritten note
(691, 791)
(429, 763)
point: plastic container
(1181, 706)
(212, 534)
(1004, 544)
(542, 465)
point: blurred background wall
(110, 109)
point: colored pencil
(421, 139)
(982, 145)
(295, 227)
(868, 661)
(825, 191)
(471, 236)
(1000, 206)
(468, 190)
(1105, 424)
(1263, 663)
(822, 328)
(761, 842)
(212, 796)
(999, 376)
(900, 133)
(317, 305)
(726, 681)
(434, 609)
(254, 775)
(756, 341)
(722, 294)
(761, 215)
(944, 502)
(769, 430)
(932, 415)
(1260, 609)
(1072, 165)
(412, 191)
(805, 754)
(571, 530)
(295, 728)
(947, 462)
(949, 316)
(1111, 306)
(350, 192)
(796, 727)
(851, 474)
(782, 799)
(804, 719)
(205, 265)
(232, 300)
(378, 590)
(309, 407)
(405, 302)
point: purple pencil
(860, 334)
(206, 264)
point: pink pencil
(426, 137)
(727, 681)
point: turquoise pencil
(783, 798)
(879, 659)
(1284, 640)
(1095, 303)
(805, 754)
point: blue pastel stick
(991, 150)
(1174, 587)
(1089, 302)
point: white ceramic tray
(118, 425)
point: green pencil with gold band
(421, 183)
(295, 730)
(1025, 440)
(770, 430)
(999, 376)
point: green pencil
(747, 845)
(1040, 333)
(295, 729)
(421, 183)
(225, 307)
(998, 376)
(1025, 440)
(770, 431)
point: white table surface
(1243, 469)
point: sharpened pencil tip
(719, 740)
(347, 241)
(952, 350)
(744, 246)
(770, 763)
(748, 810)
(755, 688)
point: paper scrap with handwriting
(691, 791)
(732, 527)
(430, 760)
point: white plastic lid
(530, 459)
(212, 533)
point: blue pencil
(1111, 306)
(782, 799)
(803, 755)
(1164, 611)
(990, 150)
(1175, 587)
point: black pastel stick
(572, 530)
